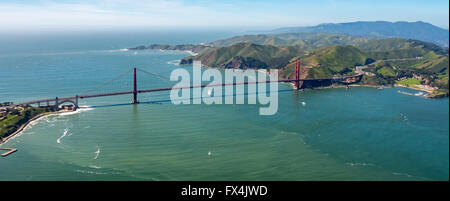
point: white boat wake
(97, 153)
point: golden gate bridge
(298, 81)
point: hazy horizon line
(189, 28)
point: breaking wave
(408, 175)
(79, 110)
(90, 172)
(360, 164)
(174, 62)
(62, 136)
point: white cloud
(77, 14)
(177, 13)
(125, 13)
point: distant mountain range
(380, 29)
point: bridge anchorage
(56, 103)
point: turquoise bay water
(338, 134)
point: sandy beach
(420, 89)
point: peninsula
(14, 118)
(384, 62)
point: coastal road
(359, 69)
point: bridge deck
(170, 88)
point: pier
(9, 151)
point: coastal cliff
(196, 49)
(246, 55)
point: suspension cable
(154, 74)
(107, 83)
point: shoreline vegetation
(9, 129)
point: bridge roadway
(63, 99)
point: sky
(214, 14)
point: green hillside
(390, 59)
(411, 61)
(246, 55)
(431, 66)
(334, 60)
(255, 39)
(307, 41)
(317, 40)
(328, 62)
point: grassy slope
(432, 66)
(307, 41)
(329, 61)
(15, 119)
(409, 82)
(310, 41)
(386, 71)
(270, 56)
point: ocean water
(330, 134)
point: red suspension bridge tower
(297, 74)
